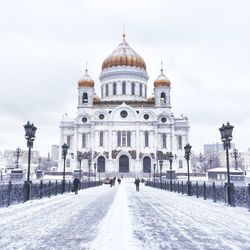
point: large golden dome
(162, 80)
(124, 55)
(86, 81)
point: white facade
(123, 130)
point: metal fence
(241, 194)
(15, 193)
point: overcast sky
(204, 45)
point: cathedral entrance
(123, 164)
(101, 164)
(146, 165)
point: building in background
(124, 130)
(54, 152)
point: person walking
(76, 185)
(137, 184)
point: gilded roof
(124, 55)
(162, 80)
(86, 81)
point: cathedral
(123, 131)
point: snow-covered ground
(121, 218)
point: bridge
(118, 217)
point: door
(146, 165)
(124, 164)
(101, 164)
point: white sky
(205, 47)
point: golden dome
(96, 98)
(151, 98)
(124, 55)
(86, 81)
(162, 81)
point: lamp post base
(229, 194)
(189, 188)
(27, 190)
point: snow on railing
(15, 193)
(240, 194)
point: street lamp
(65, 148)
(235, 154)
(226, 137)
(95, 170)
(18, 153)
(187, 149)
(170, 157)
(161, 163)
(89, 163)
(80, 158)
(30, 131)
(154, 173)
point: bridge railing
(13, 193)
(241, 194)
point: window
(102, 91)
(107, 89)
(146, 138)
(101, 138)
(124, 114)
(128, 138)
(145, 93)
(83, 140)
(124, 138)
(164, 140)
(119, 138)
(114, 88)
(140, 89)
(101, 116)
(163, 98)
(85, 98)
(180, 164)
(68, 140)
(179, 142)
(67, 163)
(133, 88)
(124, 88)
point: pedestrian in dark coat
(137, 184)
(76, 185)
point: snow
(121, 218)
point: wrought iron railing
(12, 193)
(240, 194)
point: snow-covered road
(121, 218)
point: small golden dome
(151, 98)
(124, 55)
(162, 81)
(96, 98)
(86, 81)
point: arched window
(124, 88)
(146, 138)
(107, 89)
(179, 142)
(114, 88)
(163, 98)
(133, 88)
(84, 98)
(140, 89)
(145, 93)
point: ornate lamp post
(65, 148)
(30, 131)
(17, 153)
(95, 170)
(80, 158)
(187, 149)
(154, 173)
(226, 136)
(89, 163)
(170, 157)
(235, 154)
(161, 163)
